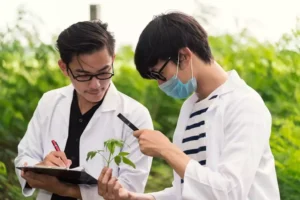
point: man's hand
(50, 184)
(155, 144)
(126, 195)
(110, 189)
(108, 186)
(45, 182)
(56, 158)
(152, 143)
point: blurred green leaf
(128, 162)
(123, 154)
(117, 160)
(2, 168)
(91, 155)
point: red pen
(56, 147)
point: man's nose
(95, 83)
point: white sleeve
(30, 149)
(247, 127)
(135, 179)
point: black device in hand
(127, 122)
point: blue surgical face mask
(176, 89)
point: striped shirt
(194, 138)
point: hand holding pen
(56, 158)
(152, 143)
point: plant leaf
(111, 147)
(128, 162)
(123, 154)
(119, 143)
(106, 142)
(91, 155)
(117, 160)
(112, 144)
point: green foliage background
(28, 68)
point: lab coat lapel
(64, 107)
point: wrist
(73, 191)
(176, 158)
(169, 150)
(63, 189)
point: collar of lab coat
(109, 103)
(231, 83)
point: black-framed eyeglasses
(100, 76)
(157, 74)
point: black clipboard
(63, 174)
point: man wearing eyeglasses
(80, 117)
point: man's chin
(94, 98)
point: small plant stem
(108, 162)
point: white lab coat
(240, 164)
(51, 122)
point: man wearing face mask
(220, 148)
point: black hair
(165, 35)
(84, 37)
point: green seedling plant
(110, 145)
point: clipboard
(63, 174)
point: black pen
(127, 122)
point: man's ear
(185, 56)
(63, 67)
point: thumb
(69, 163)
(137, 133)
(23, 172)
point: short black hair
(84, 37)
(165, 35)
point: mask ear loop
(177, 66)
(192, 68)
